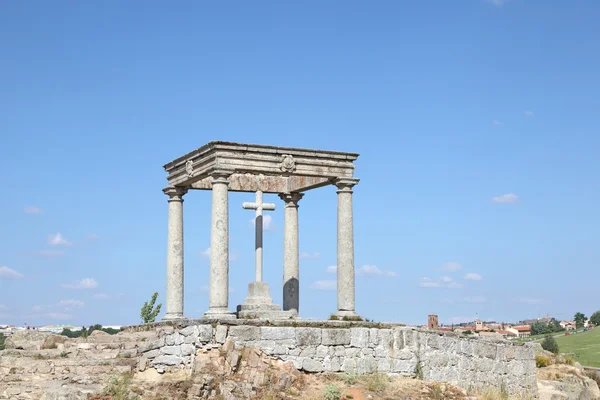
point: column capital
(175, 193)
(291, 199)
(345, 185)
(219, 175)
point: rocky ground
(102, 367)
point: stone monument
(289, 172)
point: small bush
(542, 361)
(333, 317)
(64, 354)
(549, 344)
(376, 383)
(355, 318)
(50, 346)
(567, 359)
(118, 389)
(332, 392)
(468, 332)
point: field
(586, 345)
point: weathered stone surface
(308, 336)
(359, 337)
(334, 337)
(27, 340)
(221, 333)
(187, 331)
(167, 360)
(311, 365)
(244, 333)
(277, 333)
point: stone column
(174, 302)
(219, 248)
(291, 263)
(345, 248)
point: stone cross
(259, 206)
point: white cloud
(37, 308)
(509, 198)
(71, 303)
(529, 300)
(268, 224)
(325, 285)
(309, 256)
(101, 296)
(372, 270)
(496, 122)
(205, 253)
(58, 240)
(3, 307)
(472, 276)
(529, 113)
(451, 266)
(332, 269)
(7, 273)
(33, 210)
(444, 281)
(87, 283)
(475, 299)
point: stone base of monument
(259, 304)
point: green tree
(595, 318)
(2, 341)
(539, 328)
(579, 320)
(554, 326)
(550, 344)
(148, 312)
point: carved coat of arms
(288, 164)
(189, 168)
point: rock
(308, 336)
(187, 349)
(277, 333)
(205, 333)
(311, 365)
(28, 340)
(167, 360)
(188, 331)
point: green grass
(585, 345)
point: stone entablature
(275, 162)
(355, 349)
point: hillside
(585, 345)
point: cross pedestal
(259, 304)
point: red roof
(522, 328)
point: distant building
(432, 322)
(520, 331)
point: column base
(218, 313)
(172, 316)
(259, 304)
(349, 315)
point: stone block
(359, 337)
(174, 339)
(339, 351)
(366, 365)
(221, 333)
(335, 337)
(152, 353)
(308, 351)
(244, 333)
(383, 365)
(152, 345)
(352, 351)
(336, 364)
(277, 333)
(404, 367)
(311, 365)
(398, 335)
(205, 333)
(187, 331)
(349, 365)
(187, 349)
(167, 360)
(322, 351)
(308, 336)
(280, 350)
(171, 350)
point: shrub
(2, 341)
(118, 389)
(542, 361)
(376, 383)
(467, 332)
(148, 312)
(332, 392)
(549, 344)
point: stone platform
(259, 305)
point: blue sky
(476, 122)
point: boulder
(28, 340)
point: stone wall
(465, 362)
